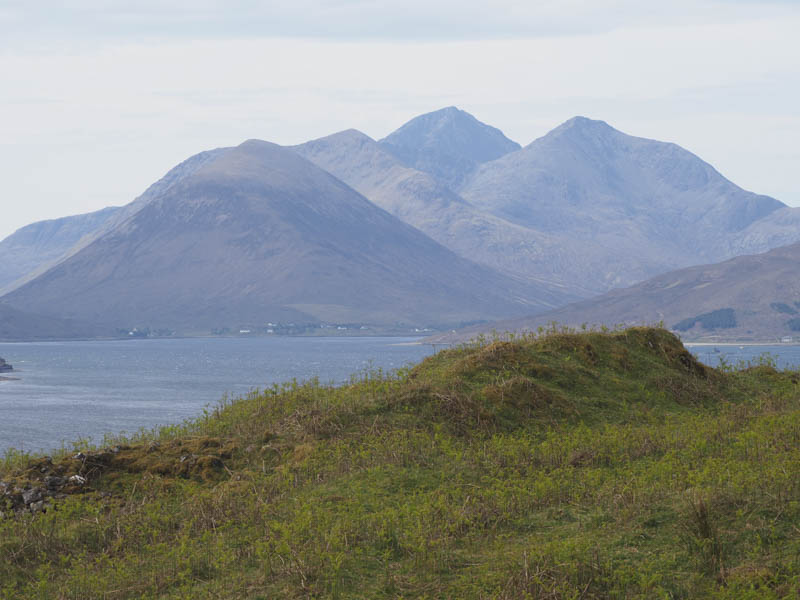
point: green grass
(591, 465)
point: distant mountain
(33, 245)
(584, 209)
(648, 206)
(754, 297)
(779, 228)
(258, 234)
(34, 249)
(424, 202)
(448, 143)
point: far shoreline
(216, 337)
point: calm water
(72, 390)
(786, 356)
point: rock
(77, 480)
(32, 495)
(54, 483)
(37, 506)
(79, 456)
(4, 366)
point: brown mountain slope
(16, 325)
(755, 297)
(260, 234)
(45, 244)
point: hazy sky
(97, 101)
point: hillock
(569, 465)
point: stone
(77, 480)
(32, 495)
(54, 483)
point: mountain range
(584, 209)
(442, 222)
(259, 234)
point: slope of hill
(94, 225)
(18, 325)
(45, 241)
(259, 234)
(448, 143)
(747, 298)
(574, 466)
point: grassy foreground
(591, 465)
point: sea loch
(76, 390)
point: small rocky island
(4, 366)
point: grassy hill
(590, 465)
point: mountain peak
(255, 143)
(583, 125)
(448, 143)
(348, 136)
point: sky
(99, 100)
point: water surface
(786, 356)
(77, 390)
